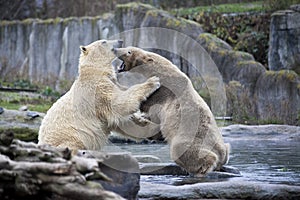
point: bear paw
(140, 118)
(154, 82)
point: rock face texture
(284, 50)
(252, 91)
(29, 171)
(46, 51)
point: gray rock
(261, 132)
(1, 110)
(30, 171)
(173, 169)
(219, 190)
(284, 51)
(161, 169)
(32, 114)
(147, 159)
(23, 108)
(295, 7)
(25, 127)
(121, 168)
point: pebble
(23, 108)
(1, 110)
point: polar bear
(184, 119)
(96, 104)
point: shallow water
(266, 161)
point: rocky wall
(47, 51)
(284, 51)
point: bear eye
(129, 52)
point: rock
(219, 190)
(284, 51)
(161, 169)
(32, 114)
(29, 171)
(6, 138)
(277, 96)
(234, 66)
(23, 108)
(24, 125)
(295, 7)
(173, 169)
(230, 169)
(122, 169)
(261, 132)
(147, 159)
(1, 110)
(143, 15)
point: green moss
(152, 13)
(134, 5)
(24, 134)
(6, 23)
(28, 21)
(13, 101)
(171, 22)
(223, 8)
(289, 75)
(247, 63)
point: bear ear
(83, 50)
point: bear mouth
(121, 68)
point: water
(265, 161)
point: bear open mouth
(121, 68)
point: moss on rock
(24, 134)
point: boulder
(147, 159)
(261, 132)
(30, 171)
(277, 97)
(173, 169)
(121, 168)
(219, 190)
(24, 124)
(284, 50)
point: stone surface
(284, 51)
(173, 169)
(122, 169)
(261, 132)
(21, 55)
(23, 108)
(147, 159)
(24, 124)
(219, 190)
(29, 171)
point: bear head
(132, 57)
(100, 51)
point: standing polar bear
(183, 117)
(96, 104)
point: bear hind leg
(199, 162)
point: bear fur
(96, 104)
(184, 119)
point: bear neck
(100, 65)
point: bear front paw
(140, 118)
(154, 82)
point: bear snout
(118, 44)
